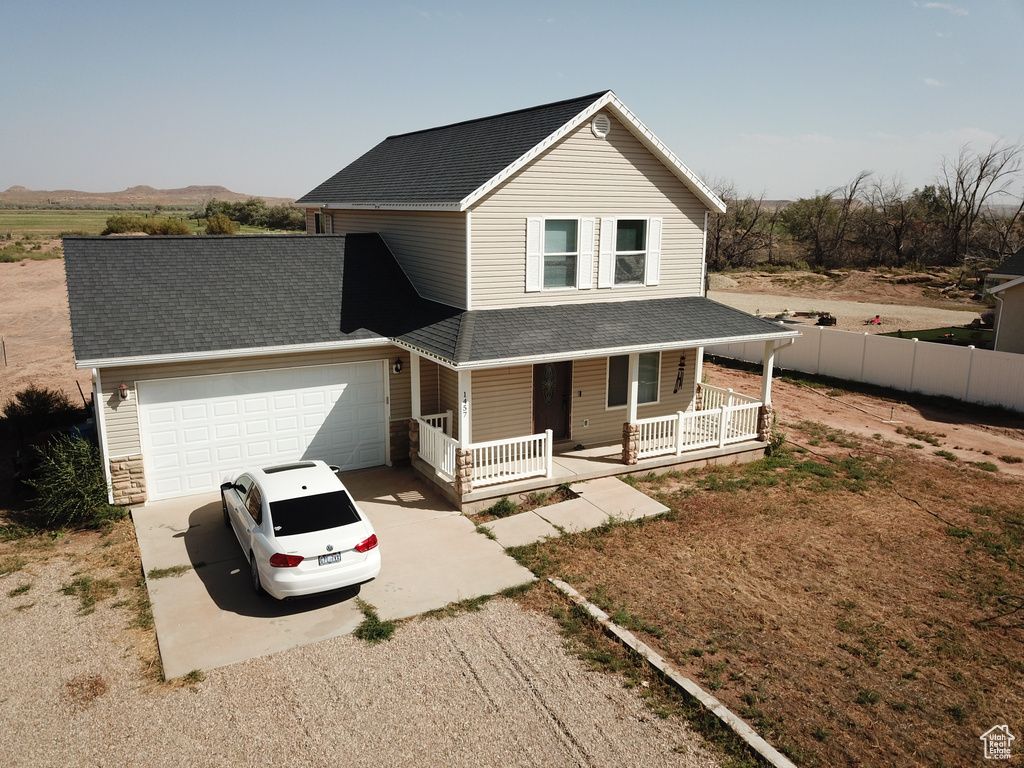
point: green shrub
(70, 489)
(502, 508)
(221, 225)
(34, 410)
(120, 223)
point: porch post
(414, 371)
(464, 456)
(698, 380)
(768, 362)
(417, 411)
(633, 393)
(631, 430)
(766, 412)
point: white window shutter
(534, 257)
(585, 261)
(606, 255)
(653, 270)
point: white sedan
(300, 530)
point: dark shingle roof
(569, 330)
(141, 296)
(444, 165)
(1012, 266)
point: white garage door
(198, 431)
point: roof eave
(225, 354)
(1008, 284)
(599, 352)
(382, 205)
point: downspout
(704, 257)
(469, 260)
(999, 318)
(99, 417)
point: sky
(777, 98)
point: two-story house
(509, 301)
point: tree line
(255, 212)
(972, 216)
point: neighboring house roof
(155, 299)
(453, 166)
(139, 298)
(1012, 267)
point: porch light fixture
(123, 391)
(397, 366)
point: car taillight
(285, 561)
(367, 545)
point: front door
(552, 398)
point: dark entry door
(552, 398)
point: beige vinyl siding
(502, 403)
(586, 177)
(1011, 320)
(430, 387)
(590, 377)
(430, 246)
(121, 419)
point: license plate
(334, 557)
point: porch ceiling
(485, 338)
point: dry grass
(861, 606)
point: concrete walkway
(209, 617)
(600, 500)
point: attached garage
(198, 430)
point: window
(322, 223)
(618, 379)
(630, 251)
(254, 504)
(560, 252)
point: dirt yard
(857, 599)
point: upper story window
(561, 249)
(630, 251)
(559, 253)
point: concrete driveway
(209, 617)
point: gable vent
(601, 125)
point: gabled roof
(1012, 267)
(150, 298)
(453, 166)
(140, 300)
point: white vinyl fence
(964, 373)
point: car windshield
(291, 517)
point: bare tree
(969, 186)
(744, 234)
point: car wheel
(254, 573)
(227, 517)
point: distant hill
(141, 195)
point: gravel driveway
(850, 315)
(491, 688)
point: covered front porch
(717, 426)
(506, 401)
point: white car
(300, 530)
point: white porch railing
(442, 421)
(437, 449)
(690, 431)
(716, 397)
(502, 461)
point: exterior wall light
(397, 366)
(123, 391)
